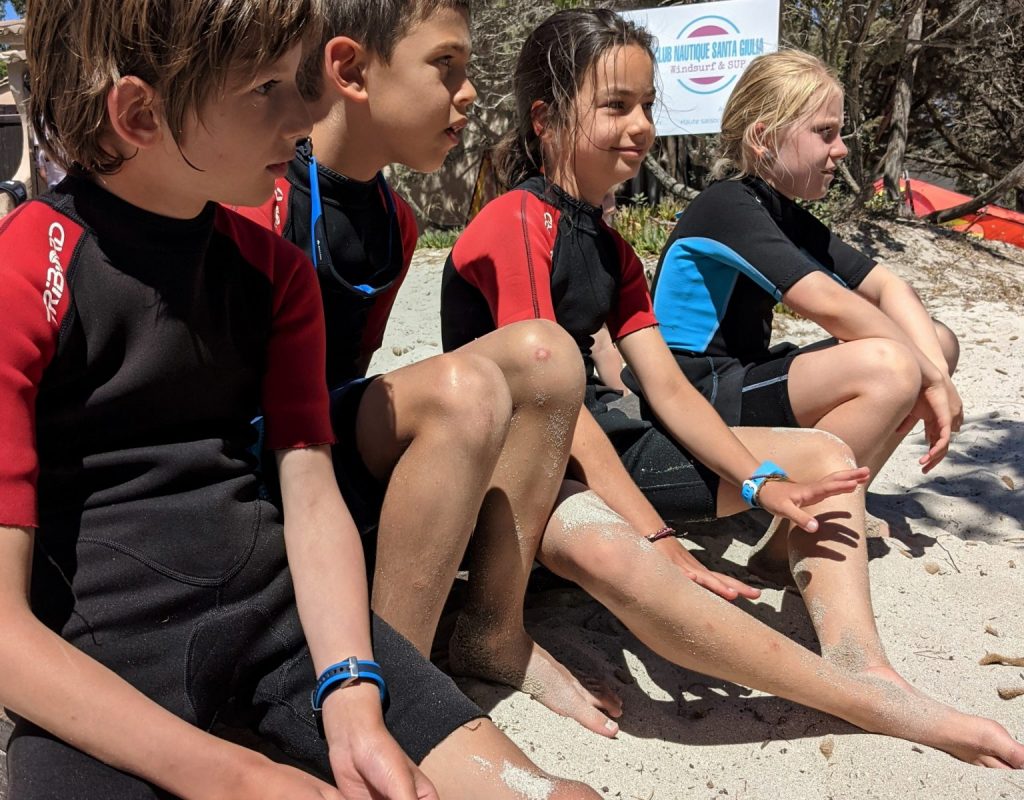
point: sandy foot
(514, 659)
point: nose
(641, 122)
(839, 149)
(296, 121)
(465, 96)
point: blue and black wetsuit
(735, 251)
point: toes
(592, 719)
(600, 694)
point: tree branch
(1014, 179)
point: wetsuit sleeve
(846, 263)
(633, 310)
(294, 392)
(506, 255)
(36, 246)
(377, 319)
(295, 382)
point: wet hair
(552, 67)
(776, 89)
(186, 50)
(378, 25)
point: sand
(948, 585)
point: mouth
(631, 152)
(454, 131)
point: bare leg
(479, 761)
(543, 371)
(434, 431)
(692, 627)
(830, 567)
(860, 391)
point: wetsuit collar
(778, 205)
(582, 214)
(121, 222)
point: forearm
(696, 425)
(593, 461)
(325, 557)
(901, 304)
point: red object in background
(989, 222)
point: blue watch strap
(343, 674)
(751, 485)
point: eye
(264, 88)
(445, 61)
(617, 105)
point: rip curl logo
(549, 223)
(53, 290)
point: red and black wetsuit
(368, 245)
(539, 253)
(135, 351)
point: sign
(701, 50)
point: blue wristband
(345, 673)
(752, 485)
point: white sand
(954, 564)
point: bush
(646, 227)
(438, 238)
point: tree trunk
(670, 184)
(892, 161)
(1014, 179)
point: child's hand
(714, 582)
(932, 406)
(788, 499)
(366, 761)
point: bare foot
(514, 659)
(909, 714)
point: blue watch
(338, 676)
(766, 471)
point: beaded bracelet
(664, 533)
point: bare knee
(950, 345)
(809, 454)
(546, 360)
(895, 371)
(470, 397)
(592, 545)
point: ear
(345, 63)
(539, 117)
(134, 116)
(761, 148)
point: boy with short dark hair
(144, 585)
(388, 84)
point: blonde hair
(185, 49)
(776, 90)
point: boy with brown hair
(144, 584)
(388, 84)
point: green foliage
(19, 7)
(438, 238)
(646, 227)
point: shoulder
(39, 244)
(515, 215)
(261, 248)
